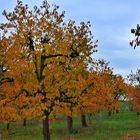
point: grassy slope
(122, 126)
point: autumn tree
(108, 88)
(81, 88)
(43, 56)
(92, 97)
(134, 79)
(83, 104)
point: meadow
(120, 126)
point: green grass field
(121, 126)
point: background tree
(136, 32)
(134, 79)
(109, 88)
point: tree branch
(6, 80)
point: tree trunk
(46, 130)
(70, 124)
(8, 126)
(24, 122)
(89, 118)
(131, 108)
(117, 111)
(109, 113)
(83, 120)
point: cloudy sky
(111, 24)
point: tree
(136, 32)
(108, 88)
(93, 94)
(134, 79)
(43, 56)
(82, 87)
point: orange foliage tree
(107, 90)
(43, 56)
(134, 79)
(93, 93)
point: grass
(121, 126)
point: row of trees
(46, 67)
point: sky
(111, 24)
